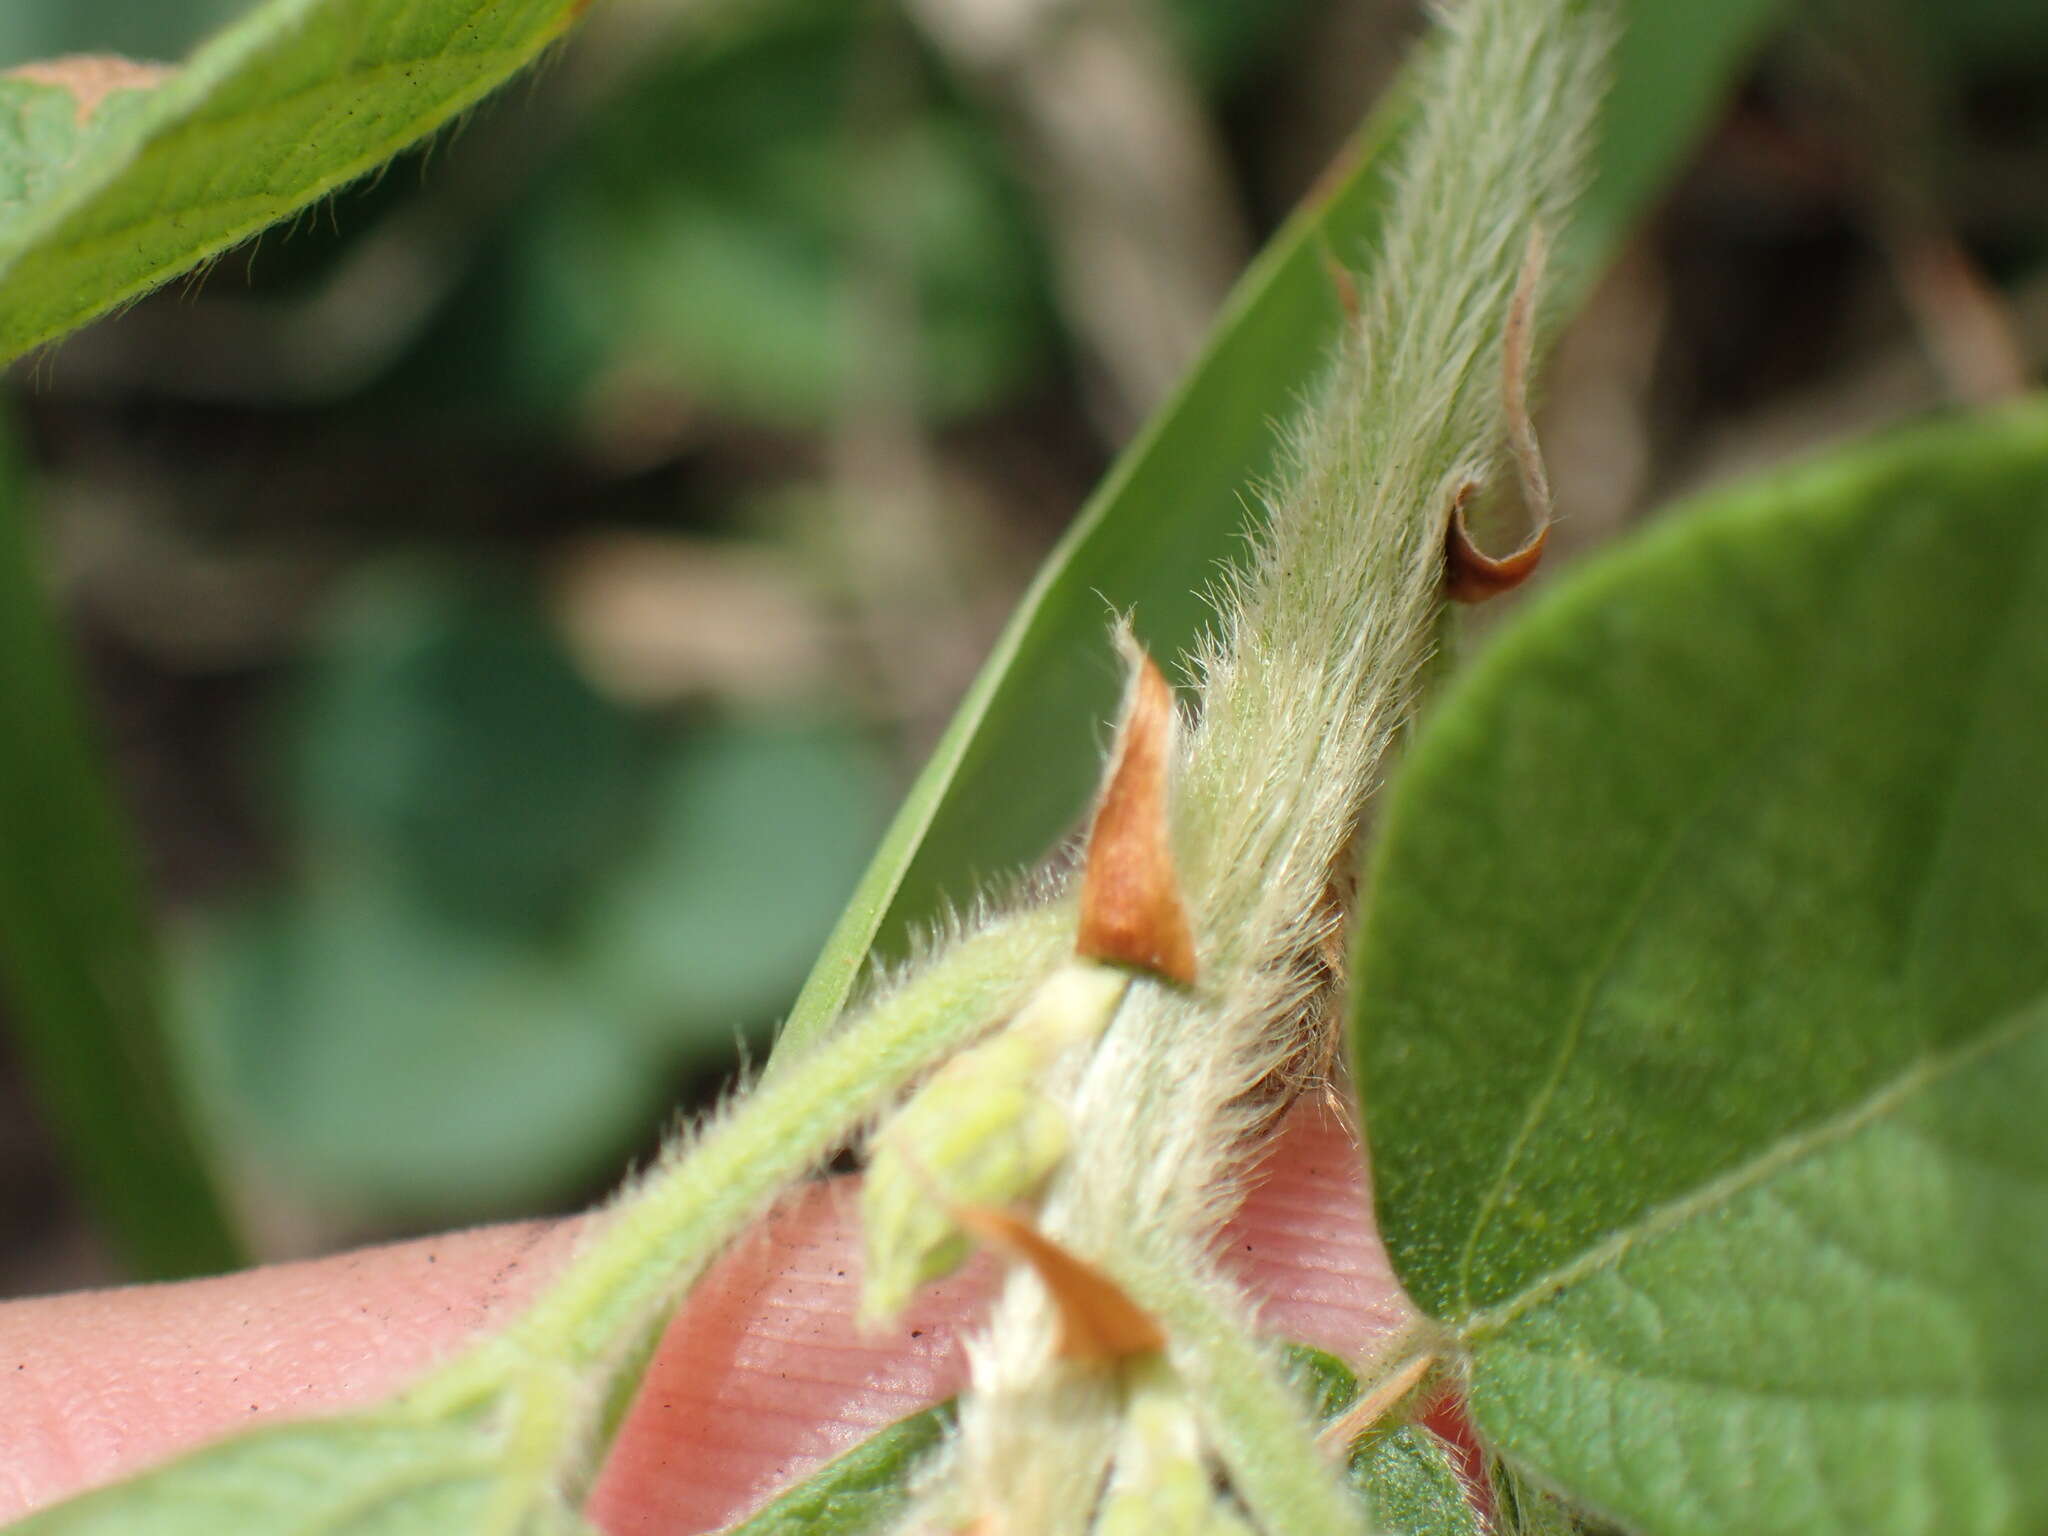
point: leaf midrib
(1785, 1153)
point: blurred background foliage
(513, 598)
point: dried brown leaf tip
(1098, 1322)
(92, 77)
(1131, 910)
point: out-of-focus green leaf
(1979, 33)
(1013, 770)
(296, 99)
(1703, 1008)
(445, 735)
(43, 140)
(1221, 39)
(79, 961)
(514, 922)
(702, 238)
(1674, 65)
(411, 1022)
(382, 1051)
(755, 833)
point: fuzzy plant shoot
(1693, 962)
(1081, 1076)
(1121, 1041)
(1312, 669)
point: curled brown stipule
(1470, 574)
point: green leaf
(700, 234)
(79, 960)
(296, 99)
(388, 1472)
(754, 835)
(44, 134)
(377, 1050)
(1523, 1510)
(1674, 65)
(1409, 1479)
(1406, 1475)
(415, 1021)
(514, 919)
(1704, 1007)
(862, 1491)
(1013, 771)
(444, 734)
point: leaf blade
(1705, 931)
(80, 962)
(298, 98)
(366, 1474)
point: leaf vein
(1715, 1193)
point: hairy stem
(663, 1233)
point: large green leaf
(80, 965)
(298, 98)
(1704, 1008)
(1013, 770)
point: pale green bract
(299, 98)
(1704, 1008)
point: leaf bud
(983, 1132)
(1162, 1481)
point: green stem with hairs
(662, 1235)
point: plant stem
(1254, 1417)
(665, 1232)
